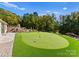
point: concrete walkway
(6, 44)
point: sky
(58, 8)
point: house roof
(3, 21)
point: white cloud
(65, 8)
(48, 11)
(55, 12)
(12, 5)
(22, 9)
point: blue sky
(59, 8)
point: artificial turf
(44, 40)
(36, 44)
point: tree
(70, 23)
(40, 23)
(9, 17)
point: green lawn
(44, 44)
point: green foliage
(40, 23)
(9, 17)
(70, 23)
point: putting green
(44, 40)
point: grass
(39, 44)
(44, 40)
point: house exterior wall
(3, 28)
(0, 29)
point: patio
(6, 40)
(6, 44)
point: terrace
(6, 40)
